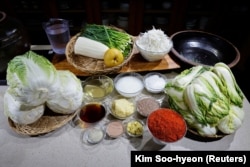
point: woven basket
(92, 66)
(47, 123)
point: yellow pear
(113, 57)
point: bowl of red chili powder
(166, 125)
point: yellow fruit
(113, 57)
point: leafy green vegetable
(30, 78)
(109, 36)
(230, 123)
(68, 98)
(33, 83)
(233, 91)
(20, 113)
(208, 98)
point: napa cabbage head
(69, 95)
(30, 78)
(19, 113)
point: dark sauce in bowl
(92, 112)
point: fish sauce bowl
(97, 87)
(166, 126)
(203, 48)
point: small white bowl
(154, 82)
(153, 55)
(129, 84)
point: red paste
(166, 125)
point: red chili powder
(166, 125)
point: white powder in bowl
(95, 135)
(129, 84)
(155, 82)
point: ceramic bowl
(202, 48)
(152, 56)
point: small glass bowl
(97, 87)
(154, 82)
(91, 113)
(169, 134)
(93, 135)
(122, 107)
(129, 84)
(145, 105)
(134, 128)
(114, 129)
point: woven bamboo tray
(47, 123)
(90, 65)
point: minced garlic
(135, 128)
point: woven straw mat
(47, 123)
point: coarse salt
(155, 82)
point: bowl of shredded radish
(153, 45)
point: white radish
(90, 48)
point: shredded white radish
(154, 40)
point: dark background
(229, 20)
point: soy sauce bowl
(92, 113)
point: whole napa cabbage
(34, 83)
(31, 78)
(68, 96)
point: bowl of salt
(154, 82)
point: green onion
(109, 36)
